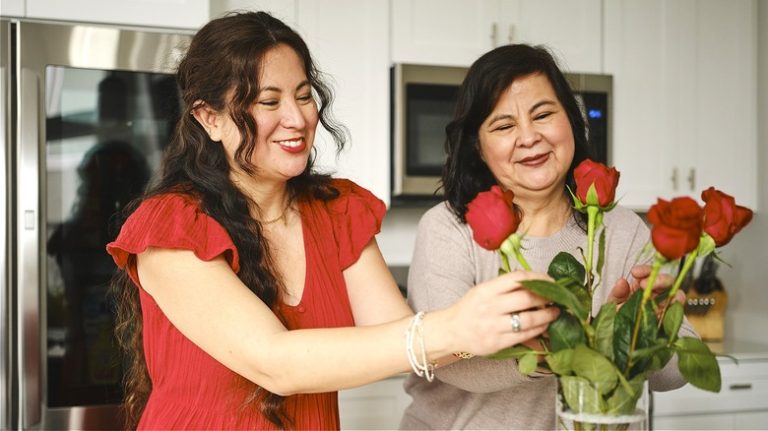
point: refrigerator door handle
(28, 247)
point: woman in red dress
(253, 287)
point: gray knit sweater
(482, 393)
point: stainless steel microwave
(422, 103)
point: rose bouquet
(606, 358)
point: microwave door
(96, 107)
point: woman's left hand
(623, 289)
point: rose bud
(677, 226)
(604, 178)
(492, 217)
(722, 217)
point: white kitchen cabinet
(571, 29)
(378, 405)
(436, 32)
(12, 8)
(684, 99)
(284, 10)
(458, 32)
(742, 403)
(350, 42)
(187, 14)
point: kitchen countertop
(739, 349)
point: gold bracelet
(463, 355)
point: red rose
(492, 217)
(604, 178)
(722, 217)
(677, 226)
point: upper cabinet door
(571, 29)
(12, 8)
(187, 14)
(284, 10)
(722, 148)
(646, 97)
(685, 97)
(463, 30)
(451, 33)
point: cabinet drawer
(744, 388)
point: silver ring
(514, 320)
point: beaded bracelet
(422, 368)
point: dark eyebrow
(298, 87)
(542, 103)
(533, 108)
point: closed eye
(305, 98)
(504, 127)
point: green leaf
(511, 352)
(673, 319)
(654, 357)
(565, 333)
(564, 265)
(580, 396)
(527, 364)
(592, 198)
(706, 245)
(622, 329)
(557, 294)
(648, 352)
(579, 290)
(698, 364)
(603, 324)
(594, 367)
(660, 359)
(560, 362)
(624, 401)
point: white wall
(747, 280)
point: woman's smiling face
(527, 141)
(286, 118)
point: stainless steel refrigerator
(86, 113)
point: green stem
(521, 259)
(504, 261)
(512, 245)
(689, 261)
(592, 212)
(655, 268)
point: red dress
(190, 389)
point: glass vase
(586, 409)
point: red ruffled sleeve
(172, 221)
(356, 217)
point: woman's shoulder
(355, 199)
(172, 220)
(441, 218)
(168, 203)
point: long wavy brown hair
(223, 58)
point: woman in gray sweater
(518, 125)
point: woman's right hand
(481, 321)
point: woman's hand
(482, 321)
(623, 289)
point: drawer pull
(741, 386)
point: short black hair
(465, 174)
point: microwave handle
(27, 247)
